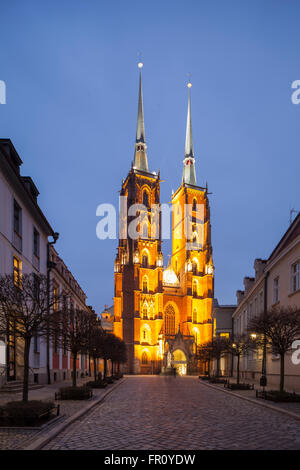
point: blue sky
(72, 84)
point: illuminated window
(195, 288)
(145, 261)
(55, 298)
(195, 315)
(145, 285)
(170, 320)
(17, 271)
(145, 311)
(194, 268)
(145, 335)
(144, 358)
(296, 276)
(145, 230)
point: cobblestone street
(178, 413)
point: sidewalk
(250, 395)
(15, 438)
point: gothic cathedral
(164, 314)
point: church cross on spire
(189, 172)
(140, 155)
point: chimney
(239, 296)
(259, 265)
(248, 283)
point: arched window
(146, 198)
(170, 320)
(195, 315)
(145, 335)
(194, 204)
(145, 230)
(145, 312)
(145, 284)
(195, 288)
(194, 268)
(144, 358)
(145, 261)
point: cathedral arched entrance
(179, 362)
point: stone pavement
(18, 438)
(152, 412)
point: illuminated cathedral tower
(138, 301)
(163, 315)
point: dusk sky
(70, 69)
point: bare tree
(238, 347)
(118, 352)
(96, 345)
(205, 355)
(280, 327)
(24, 312)
(215, 349)
(75, 332)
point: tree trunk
(74, 378)
(90, 365)
(238, 370)
(26, 369)
(281, 373)
(95, 369)
(105, 368)
(218, 366)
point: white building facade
(24, 232)
(276, 284)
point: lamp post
(50, 265)
(263, 379)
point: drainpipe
(50, 265)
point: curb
(39, 443)
(256, 402)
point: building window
(145, 285)
(296, 276)
(144, 358)
(146, 199)
(36, 243)
(194, 204)
(195, 288)
(17, 218)
(145, 261)
(145, 335)
(194, 268)
(145, 312)
(17, 271)
(170, 320)
(55, 298)
(195, 315)
(275, 290)
(17, 225)
(36, 343)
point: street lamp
(50, 265)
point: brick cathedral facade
(163, 314)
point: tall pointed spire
(189, 172)
(140, 155)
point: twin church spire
(140, 155)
